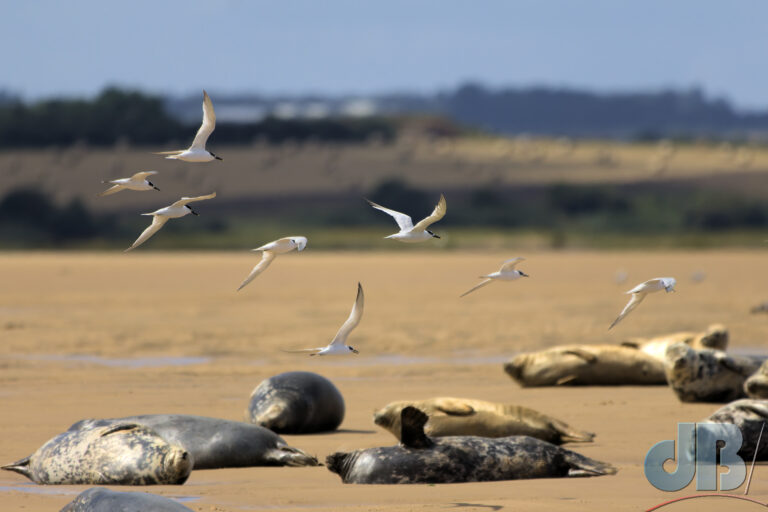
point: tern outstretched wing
(261, 266)
(111, 190)
(354, 318)
(478, 285)
(636, 299)
(437, 214)
(184, 200)
(510, 264)
(158, 221)
(403, 221)
(209, 123)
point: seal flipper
(412, 422)
(293, 457)
(453, 408)
(568, 434)
(20, 466)
(584, 466)
(587, 356)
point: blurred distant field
(501, 192)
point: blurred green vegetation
(118, 115)
(611, 216)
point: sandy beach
(89, 335)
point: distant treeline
(133, 117)
(29, 218)
(552, 111)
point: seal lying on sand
(715, 337)
(707, 375)
(466, 417)
(296, 403)
(98, 499)
(604, 365)
(420, 459)
(119, 454)
(216, 443)
(756, 386)
(749, 415)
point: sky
(77, 47)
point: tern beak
(354, 351)
(218, 158)
(193, 212)
(524, 274)
(154, 187)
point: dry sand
(104, 335)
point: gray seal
(588, 365)
(466, 417)
(756, 386)
(750, 416)
(707, 375)
(119, 454)
(715, 337)
(98, 499)
(216, 443)
(420, 459)
(296, 403)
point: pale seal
(707, 375)
(603, 365)
(756, 386)
(217, 443)
(750, 416)
(420, 459)
(466, 417)
(715, 337)
(296, 403)
(119, 454)
(98, 499)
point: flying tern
(507, 272)
(270, 251)
(159, 217)
(640, 291)
(197, 152)
(338, 346)
(138, 181)
(409, 232)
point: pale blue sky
(355, 46)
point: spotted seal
(420, 459)
(603, 365)
(714, 337)
(749, 415)
(98, 499)
(216, 443)
(756, 386)
(119, 454)
(466, 417)
(296, 403)
(707, 375)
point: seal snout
(381, 419)
(514, 368)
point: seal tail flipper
(412, 422)
(569, 434)
(20, 466)
(584, 466)
(294, 457)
